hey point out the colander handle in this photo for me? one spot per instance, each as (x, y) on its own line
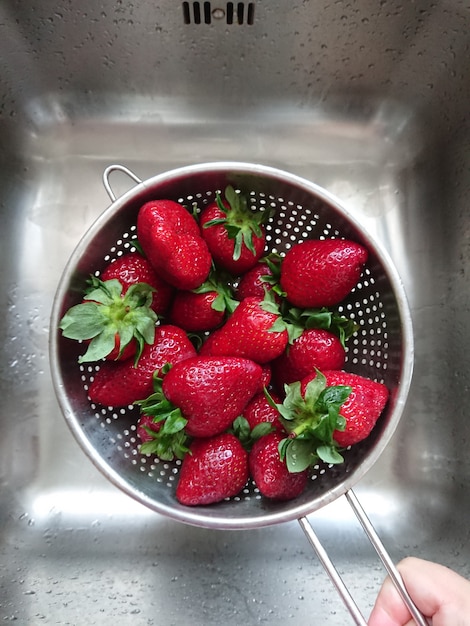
(381, 552)
(117, 168)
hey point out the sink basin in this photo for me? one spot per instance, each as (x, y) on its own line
(370, 101)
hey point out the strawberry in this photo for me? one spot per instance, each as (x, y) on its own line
(270, 473)
(211, 391)
(122, 384)
(133, 268)
(170, 238)
(324, 412)
(253, 331)
(203, 308)
(216, 468)
(113, 321)
(260, 411)
(316, 348)
(146, 428)
(321, 273)
(234, 234)
(361, 409)
(264, 275)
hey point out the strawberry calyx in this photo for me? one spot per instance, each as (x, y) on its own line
(296, 320)
(324, 318)
(246, 435)
(271, 305)
(310, 421)
(224, 302)
(273, 261)
(106, 316)
(171, 440)
(239, 221)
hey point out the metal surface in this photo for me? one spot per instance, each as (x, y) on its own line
(381, 349)
(370, 101)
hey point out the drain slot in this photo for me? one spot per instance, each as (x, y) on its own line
(229, 13)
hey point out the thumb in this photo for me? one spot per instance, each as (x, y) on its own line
(437, 591)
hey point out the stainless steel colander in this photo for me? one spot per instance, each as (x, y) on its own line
(382, 349)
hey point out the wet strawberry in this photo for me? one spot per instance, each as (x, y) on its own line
(216, 468)
(270, 473)
(264, 275)
(113, 321)
(146, 428)
(316, 348)
(234, 233)
(211, 391)
(133, 268)
(253, 331)
(170, 237)
(321, 273)
(122, 384)
(325, 412)
(361, 409)
(204, 308)
(260, 411)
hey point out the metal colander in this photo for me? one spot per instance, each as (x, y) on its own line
(381, 349)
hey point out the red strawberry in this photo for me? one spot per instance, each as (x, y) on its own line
(133, 268)
(253, 331)
(211, 391)
(326, 411)
(314, 349)
(264, 275)
(270, 473)
(234, 233)
(146, 426)
(195, 312)
(122, 384)
(170, 237)
(216, 468)
(260, 411)
(321, 273)
(113, 321)
(361, 409)
(203, 308)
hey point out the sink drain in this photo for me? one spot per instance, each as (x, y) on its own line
(228, 13)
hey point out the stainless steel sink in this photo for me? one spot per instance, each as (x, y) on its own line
(368, 99)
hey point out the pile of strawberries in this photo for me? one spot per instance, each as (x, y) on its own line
(233, 354)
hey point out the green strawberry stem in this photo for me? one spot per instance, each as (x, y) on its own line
(310, 421)
(239, 221)
(107, 314)
(171, 440)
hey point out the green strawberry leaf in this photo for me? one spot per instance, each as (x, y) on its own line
(82, 321)
(298, 454)
(330, 455)
(174, 423)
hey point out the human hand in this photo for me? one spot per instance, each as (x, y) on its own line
(442, 595)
